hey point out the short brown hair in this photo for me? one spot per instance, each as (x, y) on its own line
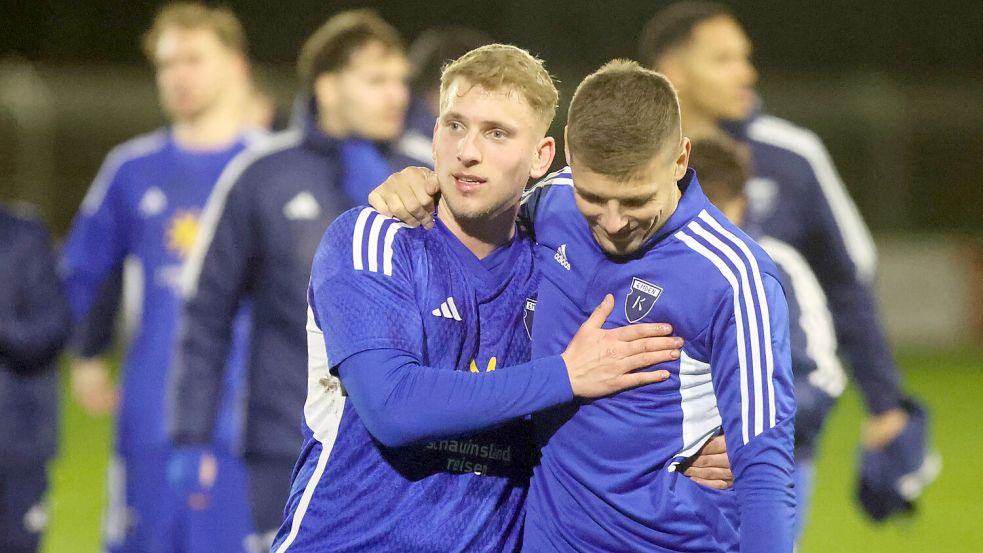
(673, 26)
(722, 165)
(330, 48)
(620, 117)
(503, 66)
(190, 15)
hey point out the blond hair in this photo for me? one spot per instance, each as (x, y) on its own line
(191, 15)
(498, 67)
(621, 117)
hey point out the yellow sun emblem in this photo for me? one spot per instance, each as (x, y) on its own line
(181, 232)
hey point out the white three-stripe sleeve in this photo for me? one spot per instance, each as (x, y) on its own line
(762, 303)
(365, 249)
(741, 345)
(751, 316)
(357, 238)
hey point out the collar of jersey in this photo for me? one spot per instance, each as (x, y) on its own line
(203, 155)
(486, 285)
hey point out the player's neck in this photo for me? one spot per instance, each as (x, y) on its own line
(697, 123)
(215, 128)
(332, 124)
(481, 236)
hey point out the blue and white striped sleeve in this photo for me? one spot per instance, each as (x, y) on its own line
(750, 365)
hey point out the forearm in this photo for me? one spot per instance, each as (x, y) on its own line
(94, 333)
(765, 491)
(402, 402)
(864, 345)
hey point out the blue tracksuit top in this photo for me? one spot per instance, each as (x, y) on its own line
(796, 196)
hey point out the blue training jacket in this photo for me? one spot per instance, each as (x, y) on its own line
(797, 196)
(34, 324)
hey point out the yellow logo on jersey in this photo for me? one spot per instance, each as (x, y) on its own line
(181, 232)
(488, 369)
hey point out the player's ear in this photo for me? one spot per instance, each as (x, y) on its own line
(326, 91)
(682, 159)
(543, 157)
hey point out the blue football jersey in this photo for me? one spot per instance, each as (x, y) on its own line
(608, 478)
(145, 204)
(376, 284)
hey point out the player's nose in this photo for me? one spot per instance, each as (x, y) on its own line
(468, 152)
(612, 220)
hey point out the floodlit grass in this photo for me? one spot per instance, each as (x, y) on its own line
(951, 384)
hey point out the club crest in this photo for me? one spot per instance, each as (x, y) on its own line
(641, 297)
(528, 312)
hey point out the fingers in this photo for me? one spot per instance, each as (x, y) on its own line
(647, 359)
(718, 460)
(715, 484)
(400, 212)
(432, 185)
(651, 344)
(634, 332)
(379, 204)
(634, 380)
(425, 200)
(600, 313)
(717, 444)
(709, 473)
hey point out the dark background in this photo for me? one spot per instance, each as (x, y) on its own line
(894, 88)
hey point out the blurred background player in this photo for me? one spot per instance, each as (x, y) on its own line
(145, 204)
(794, 195)
(429, 53)
(723, 167)
(259, 235)
(34, 323)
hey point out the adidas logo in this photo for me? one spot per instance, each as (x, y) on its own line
(561, 256)
(447, 310)
(153, 202)
(302, 206)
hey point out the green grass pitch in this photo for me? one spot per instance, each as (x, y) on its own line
(950, 383)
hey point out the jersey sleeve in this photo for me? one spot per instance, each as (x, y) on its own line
(97, 240)
(362, 287)
(94, 334)
(751, 371)
(846, 278)
(216, 280)
(363, 300)
(841, 252)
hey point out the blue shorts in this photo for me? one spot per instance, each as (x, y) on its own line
(146, 515)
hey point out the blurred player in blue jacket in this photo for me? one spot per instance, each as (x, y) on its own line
(796, 196)
(260, 232)
(724, 167)
(34, 323)
(145, 205)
